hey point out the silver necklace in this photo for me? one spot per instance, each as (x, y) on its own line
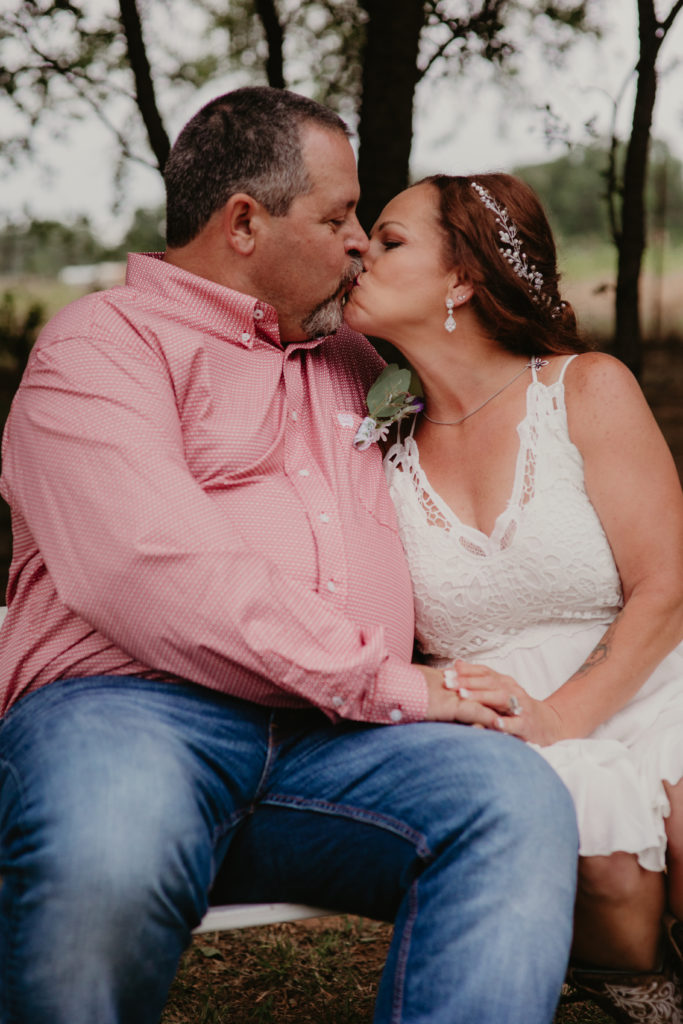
(536, 362)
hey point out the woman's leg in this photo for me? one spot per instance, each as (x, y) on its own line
(625, 968)
(619, 908)
(674, 832)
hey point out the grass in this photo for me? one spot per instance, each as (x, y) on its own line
(50, 293)
(313, 972)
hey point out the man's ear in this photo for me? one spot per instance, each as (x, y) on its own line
(241, 218)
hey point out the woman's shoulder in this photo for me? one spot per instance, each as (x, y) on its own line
(597, 369)
(600, 390)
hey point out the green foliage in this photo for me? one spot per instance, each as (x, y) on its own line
(18, 331)
(146, 233)
(45, 246)
(67, 61)
(573, 190)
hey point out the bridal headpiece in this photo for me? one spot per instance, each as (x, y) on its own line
(512, 251)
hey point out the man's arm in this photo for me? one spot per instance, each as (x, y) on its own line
(94, 459)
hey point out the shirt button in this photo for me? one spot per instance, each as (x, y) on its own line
(246, 336)
(304, 472)
(258, 314)
(396, 715)
(324, 518)
(331, 586)
(337, 701)
(294, 415)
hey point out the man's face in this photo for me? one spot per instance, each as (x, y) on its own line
(308, 259)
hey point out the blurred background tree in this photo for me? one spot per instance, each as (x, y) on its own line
(65, 60)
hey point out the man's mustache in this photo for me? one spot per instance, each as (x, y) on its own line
(355, 268)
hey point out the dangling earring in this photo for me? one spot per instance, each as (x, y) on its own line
(449, 322)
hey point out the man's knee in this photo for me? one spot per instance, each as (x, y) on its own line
(106, 829)
(507, 785)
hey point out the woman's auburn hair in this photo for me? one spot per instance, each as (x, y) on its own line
(523, 319)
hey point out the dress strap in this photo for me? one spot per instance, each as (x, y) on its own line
(399, 439)
(566, 363)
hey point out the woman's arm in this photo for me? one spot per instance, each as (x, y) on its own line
(632, 482)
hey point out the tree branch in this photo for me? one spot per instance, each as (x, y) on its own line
(144, 86)
(272, 27)
(671, 16)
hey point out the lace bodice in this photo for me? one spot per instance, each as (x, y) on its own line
(547, 563)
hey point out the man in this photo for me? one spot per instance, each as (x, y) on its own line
(206, 677)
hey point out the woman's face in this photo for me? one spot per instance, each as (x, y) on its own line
(405, 283)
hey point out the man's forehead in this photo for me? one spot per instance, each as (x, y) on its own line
(331, 166)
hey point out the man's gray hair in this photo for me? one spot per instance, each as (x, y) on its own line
(248, 141)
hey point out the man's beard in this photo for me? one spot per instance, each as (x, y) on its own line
(328, 316)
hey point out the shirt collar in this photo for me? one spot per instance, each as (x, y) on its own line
(214, 308)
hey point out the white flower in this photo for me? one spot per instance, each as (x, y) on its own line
(367, 434)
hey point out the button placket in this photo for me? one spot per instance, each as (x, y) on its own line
(314, 492)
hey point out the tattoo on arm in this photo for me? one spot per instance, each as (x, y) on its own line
(600, 653)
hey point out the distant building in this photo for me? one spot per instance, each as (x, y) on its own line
(94, 275)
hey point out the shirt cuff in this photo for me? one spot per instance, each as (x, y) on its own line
(398, 696)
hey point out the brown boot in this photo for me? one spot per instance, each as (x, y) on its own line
(632, 997)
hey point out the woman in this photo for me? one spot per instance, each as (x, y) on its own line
(542, 518)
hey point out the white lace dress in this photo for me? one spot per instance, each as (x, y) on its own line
(532, 600)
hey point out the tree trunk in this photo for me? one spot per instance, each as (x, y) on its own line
(274, 38)
(628, 341)
(144, 87)
(390, 75)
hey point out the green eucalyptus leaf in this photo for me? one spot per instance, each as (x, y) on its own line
(388, 393)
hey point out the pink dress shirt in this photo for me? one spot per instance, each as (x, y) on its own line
(187, 504)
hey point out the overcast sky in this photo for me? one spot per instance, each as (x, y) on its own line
(460, 126)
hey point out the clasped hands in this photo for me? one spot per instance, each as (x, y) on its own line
(480, 696)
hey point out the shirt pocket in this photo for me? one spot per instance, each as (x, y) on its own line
(366, 472)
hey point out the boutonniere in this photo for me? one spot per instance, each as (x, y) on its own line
(388, 401)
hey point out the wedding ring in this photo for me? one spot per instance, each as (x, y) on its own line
(514, 707)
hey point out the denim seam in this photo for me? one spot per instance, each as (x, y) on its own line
(269, 758)
(232, 822)
(394, 825)
(402, 958)
(239, 815)
(10, 964)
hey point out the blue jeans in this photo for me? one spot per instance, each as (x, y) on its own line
(124, 802)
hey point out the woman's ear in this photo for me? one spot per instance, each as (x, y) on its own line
(460, 290)
(240, 222)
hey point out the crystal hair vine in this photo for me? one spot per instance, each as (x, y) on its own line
(513, 253)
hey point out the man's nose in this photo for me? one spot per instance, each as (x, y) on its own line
(357, 241)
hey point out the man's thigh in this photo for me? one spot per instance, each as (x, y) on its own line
(349, 815)
(118, 777)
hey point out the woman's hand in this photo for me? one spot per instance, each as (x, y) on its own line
(535, 721)
(447, 705)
